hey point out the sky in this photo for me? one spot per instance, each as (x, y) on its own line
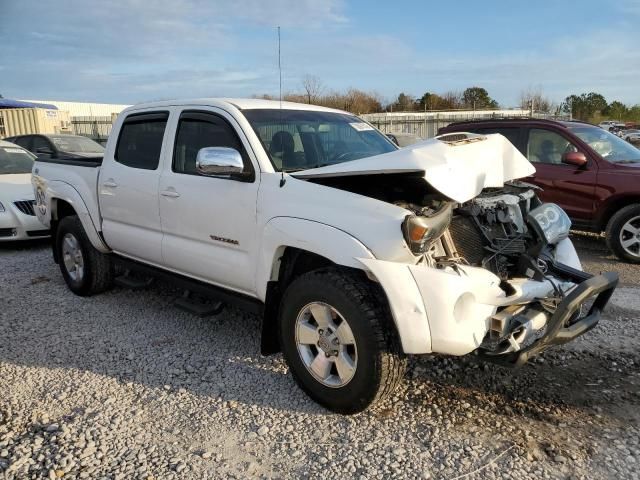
(129, 51)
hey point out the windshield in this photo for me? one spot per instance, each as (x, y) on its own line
(77, 144)
(610, 147)
(302, 139)
(15, 160)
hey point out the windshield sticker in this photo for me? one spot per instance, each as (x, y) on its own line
(13, 150)
(361, 126)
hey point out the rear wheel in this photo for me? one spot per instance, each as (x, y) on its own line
(85, 270)
(623, 234)
(339, 340)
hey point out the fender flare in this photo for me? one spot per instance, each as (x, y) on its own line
(67, 193)
(281, 232)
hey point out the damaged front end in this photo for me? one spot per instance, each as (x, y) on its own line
(493, 269)
(524, 243)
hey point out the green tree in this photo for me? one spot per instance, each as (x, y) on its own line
(477, 98)
(585, 105)
(404, 103)
(616, 110)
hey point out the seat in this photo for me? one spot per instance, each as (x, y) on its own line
(283, 147)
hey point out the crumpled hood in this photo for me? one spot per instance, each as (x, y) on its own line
(16, 187)
(458, 169)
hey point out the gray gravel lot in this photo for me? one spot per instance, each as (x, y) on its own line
(124, 385)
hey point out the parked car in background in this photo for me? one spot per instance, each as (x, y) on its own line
(18, 220)
(632, 136)
(355, 252)
(58, 146)
(404, 139)
(609, 124)
(591, 173)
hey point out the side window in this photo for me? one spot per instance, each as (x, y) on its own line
(24, 142)
(512, 134)
(140, 141)
(198, 130)
(546, 146)
(41, 143)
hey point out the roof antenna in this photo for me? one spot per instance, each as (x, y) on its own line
(282, 179)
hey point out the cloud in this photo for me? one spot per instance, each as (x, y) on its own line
(135, 50)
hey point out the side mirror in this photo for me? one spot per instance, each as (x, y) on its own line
(577, 159)
(44, 151)
(213, 161)
(393, 139)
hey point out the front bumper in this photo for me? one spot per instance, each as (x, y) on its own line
(567, 323)
(15, 225)
(449, 311)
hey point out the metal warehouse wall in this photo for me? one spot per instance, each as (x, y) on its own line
(82, 109)
(22, 121)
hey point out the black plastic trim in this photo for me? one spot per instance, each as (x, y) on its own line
(245, 302)
(91, 162)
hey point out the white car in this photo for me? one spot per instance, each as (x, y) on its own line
(632, 136)
(18, 220)
(609, 124)
(354, 252)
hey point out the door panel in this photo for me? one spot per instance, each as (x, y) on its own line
(208, 222)
(128, 188)
(573, 188)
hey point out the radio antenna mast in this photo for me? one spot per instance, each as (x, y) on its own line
(282, 179)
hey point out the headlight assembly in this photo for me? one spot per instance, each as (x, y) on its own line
(551, 222)
(421, 231)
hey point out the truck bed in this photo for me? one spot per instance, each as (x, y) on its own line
(71, 174)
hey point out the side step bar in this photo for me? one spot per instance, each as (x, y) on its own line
(218, 294)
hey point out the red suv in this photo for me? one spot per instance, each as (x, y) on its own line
(591, 173)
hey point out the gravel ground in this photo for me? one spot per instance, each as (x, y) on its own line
(124, 385)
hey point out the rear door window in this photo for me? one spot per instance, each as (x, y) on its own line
(24, 142)
(42, 144)
(140, 141)
(510, 133)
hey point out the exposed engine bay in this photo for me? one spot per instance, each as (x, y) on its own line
(492, 231)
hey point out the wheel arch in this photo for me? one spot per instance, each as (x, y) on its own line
(612, 206)
(290, 248)
(67, 201)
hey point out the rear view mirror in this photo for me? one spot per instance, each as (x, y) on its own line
(219, 161)
(577, 159)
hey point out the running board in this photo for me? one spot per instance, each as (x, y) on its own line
(198, 307)
(217, 294)
(132, 283)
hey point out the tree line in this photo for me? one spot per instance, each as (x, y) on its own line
(591, 106)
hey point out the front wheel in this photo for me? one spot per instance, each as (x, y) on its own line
(623, 234)
(339, 340)
(85, 270)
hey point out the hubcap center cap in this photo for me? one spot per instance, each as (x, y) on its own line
(328, 342)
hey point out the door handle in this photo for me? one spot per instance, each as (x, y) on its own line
(110, 183)
(170, 193)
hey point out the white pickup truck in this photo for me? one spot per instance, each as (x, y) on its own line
(355, 252)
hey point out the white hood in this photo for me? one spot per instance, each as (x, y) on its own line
(16, 187)
(460, 169)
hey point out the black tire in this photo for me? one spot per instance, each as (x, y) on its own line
(97, 275)
(614, 228)
(380, 363)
